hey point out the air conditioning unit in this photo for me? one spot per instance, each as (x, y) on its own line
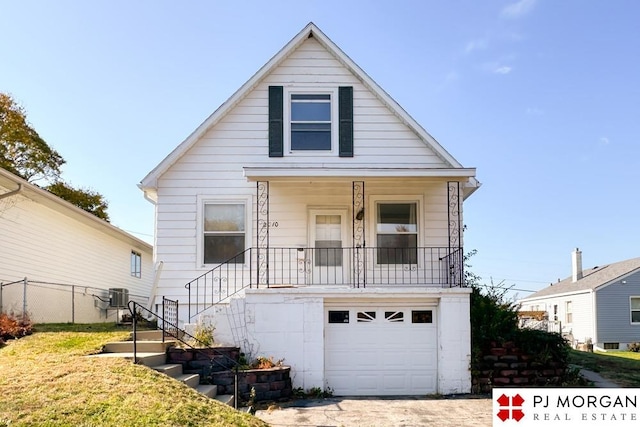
(118, 297)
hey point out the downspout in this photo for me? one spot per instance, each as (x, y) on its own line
(594, 316)
(11, 193)
(154, 286)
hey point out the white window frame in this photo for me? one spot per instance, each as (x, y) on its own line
(203, 200)
(312, 90)
(631, 310)
(373, 217)
(568, 312)
(136, 270)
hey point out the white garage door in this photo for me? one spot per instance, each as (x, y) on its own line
(380, 350)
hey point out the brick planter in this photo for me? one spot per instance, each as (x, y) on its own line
(269, 384)
(203, 360)
(505, 365)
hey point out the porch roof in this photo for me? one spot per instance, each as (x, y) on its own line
(256, 173)
(328, 173)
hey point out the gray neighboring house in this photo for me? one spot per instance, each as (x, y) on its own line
(601, 304)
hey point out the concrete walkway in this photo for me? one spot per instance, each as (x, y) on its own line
(460, 411)
(457, 411)
(597, 380)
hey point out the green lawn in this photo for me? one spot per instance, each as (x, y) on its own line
(46, 381)
(621, 367)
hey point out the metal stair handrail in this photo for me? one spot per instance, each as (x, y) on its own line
(234, 266)
(175, 332)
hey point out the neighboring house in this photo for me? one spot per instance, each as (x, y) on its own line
(601, 304)
(65, 258)
(312, 219)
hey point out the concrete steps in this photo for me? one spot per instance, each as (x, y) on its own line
(151, 351)
(141, 346)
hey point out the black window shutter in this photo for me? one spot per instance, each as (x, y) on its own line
(276, 129)
(345, 95)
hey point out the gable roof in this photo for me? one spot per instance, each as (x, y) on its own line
(18, 186)
(592, 279)
(149, 182)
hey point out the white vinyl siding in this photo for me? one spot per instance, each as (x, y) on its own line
(44, 244)
(578, 321)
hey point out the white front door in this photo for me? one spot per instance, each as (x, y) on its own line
(329, 262)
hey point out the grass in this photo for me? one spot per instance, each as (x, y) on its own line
(46, 381)
(621, 367)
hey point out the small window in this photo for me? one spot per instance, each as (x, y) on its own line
(397, 233)
(366, 316)
(224, 233)
(136, 264)
(612, 346)
(328, 244)
(635, 309)
(338, 316)
(421, 316)
(394, 316)
(310, 122)
(568, 312)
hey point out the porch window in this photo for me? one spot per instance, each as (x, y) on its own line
(397, 233)
(224, 232)
(635, 310)
(310, 121)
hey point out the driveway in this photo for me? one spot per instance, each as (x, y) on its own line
(459, 411)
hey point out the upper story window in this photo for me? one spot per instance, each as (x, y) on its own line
(304, 121)
(310, 122)
(136, 264)
(224, 232)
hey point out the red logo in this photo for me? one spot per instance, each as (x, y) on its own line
(510, 407)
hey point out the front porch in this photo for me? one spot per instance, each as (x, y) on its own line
(316, 233)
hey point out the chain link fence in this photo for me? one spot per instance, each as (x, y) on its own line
(46, 302)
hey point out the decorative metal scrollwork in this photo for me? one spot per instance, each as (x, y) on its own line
(359, 261)
(262, 232)
(454, 217)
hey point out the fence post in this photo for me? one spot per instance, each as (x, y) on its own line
(73, 303)
(24, 299)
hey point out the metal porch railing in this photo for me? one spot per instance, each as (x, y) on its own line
(355, 267)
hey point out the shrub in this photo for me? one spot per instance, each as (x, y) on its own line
(634, 346)
(203, 335)
(265, 363)
(12, 327)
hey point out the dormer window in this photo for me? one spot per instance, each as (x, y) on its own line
(310, 122)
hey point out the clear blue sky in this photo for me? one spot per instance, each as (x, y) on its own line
(541, 96)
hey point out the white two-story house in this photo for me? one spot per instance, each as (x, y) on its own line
(312, 219)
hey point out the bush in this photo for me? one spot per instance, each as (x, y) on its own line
(265, 363)
(11, 327)
(495, 322)
(203, 335)
(634, 346)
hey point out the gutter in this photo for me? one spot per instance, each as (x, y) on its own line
(11, 193)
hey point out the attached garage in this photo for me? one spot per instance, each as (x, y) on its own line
(375, 348)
